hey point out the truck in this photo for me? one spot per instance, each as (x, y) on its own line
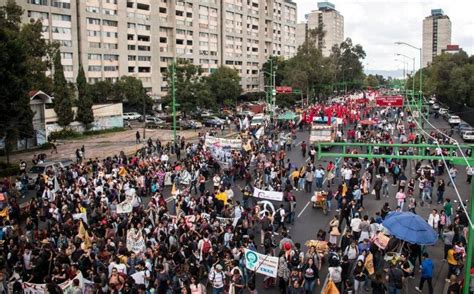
(321, 132)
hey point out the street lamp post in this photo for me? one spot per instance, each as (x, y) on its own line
(173, 95)
(421, 66)
(405, 71)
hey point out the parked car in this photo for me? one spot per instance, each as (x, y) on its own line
(132, 116)
(435, 106)
(214, 122)
(443, 112)
(468, 136)
(154, 122)
(206, 113)
(454, 120)
(462, 127)
(245, 113)
(41, 168)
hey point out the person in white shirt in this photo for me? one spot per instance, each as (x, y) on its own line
(433, 219)
(217, 278)
(355, 226)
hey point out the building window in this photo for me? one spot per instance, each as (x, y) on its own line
(109, 11)
(67, 68)
(109, 23)
(111, 57)
(110, 34)
(38, 2)
(162, 9)
(60, 30)
(110, 46)
(143, 27)
(131, 69)
(92, 9)
(92, 33)
(111, 68)
(144, 69)
(94, 45)
(94, 21)
(131, 47)
(144, 58)
(94, 56)
(132, 58)
(61, 17)
(64, 43)
(143, 48)
(95, 68)
(65, 4)
(37, 14)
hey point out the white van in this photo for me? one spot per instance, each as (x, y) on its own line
(258, 120)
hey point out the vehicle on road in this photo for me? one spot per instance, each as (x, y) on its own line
(245, 113)
(454, 120)
(436, 106)
(154, 122)
(132, 116)
(214, 122)
(258, 120)
(206, 113)
(468, 136)
(41, 168)
(443, 111)
(189, 124)
(319, 200)
(321, 132)
(462, 127)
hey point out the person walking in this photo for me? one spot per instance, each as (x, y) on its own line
(441, 188)
(394, 279)
(303, 149)
(378, 186)
(400, 196)
(433, 219)
(137, 137)
(453, 172)
(427, 268)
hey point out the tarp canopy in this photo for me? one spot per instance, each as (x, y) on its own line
(289, 115)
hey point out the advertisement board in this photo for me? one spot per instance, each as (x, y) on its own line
(389, 101)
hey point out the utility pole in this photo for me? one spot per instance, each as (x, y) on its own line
(144, 118)
(173, 92)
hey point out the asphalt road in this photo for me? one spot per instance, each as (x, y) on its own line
(309, 220)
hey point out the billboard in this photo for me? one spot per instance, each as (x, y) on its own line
(389, 101)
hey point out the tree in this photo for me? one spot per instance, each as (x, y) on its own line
(17, 116)
(131, 92)
(84, 101)
(371, 81)
(224, 84)
(278, 65)
(191, 87)
(62, 93)
(102, 92)
(346, 59)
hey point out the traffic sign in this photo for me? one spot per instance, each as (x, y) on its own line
(283, 89)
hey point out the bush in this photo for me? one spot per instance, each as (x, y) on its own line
(7, 170)
(64, 134)
(99, 132)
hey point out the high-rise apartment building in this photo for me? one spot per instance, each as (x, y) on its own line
(436, 35)
(140, 38)
(332, 23)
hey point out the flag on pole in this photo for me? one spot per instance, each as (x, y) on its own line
(84, 235)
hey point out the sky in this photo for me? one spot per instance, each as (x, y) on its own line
(378, 24)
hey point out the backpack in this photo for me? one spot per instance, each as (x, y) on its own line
(206, 246)
(396, 170)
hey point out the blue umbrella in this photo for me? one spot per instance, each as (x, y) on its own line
(411, 228)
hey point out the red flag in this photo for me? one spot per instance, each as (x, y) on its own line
(329, 118)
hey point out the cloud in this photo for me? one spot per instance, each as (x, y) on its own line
(378, 24)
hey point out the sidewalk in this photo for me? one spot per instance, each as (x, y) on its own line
(108, 144)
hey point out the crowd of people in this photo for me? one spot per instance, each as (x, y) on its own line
(187, 229)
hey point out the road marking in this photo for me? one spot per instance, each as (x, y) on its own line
(307, 159)
(299, 143)
(301, 212)
(169, 199)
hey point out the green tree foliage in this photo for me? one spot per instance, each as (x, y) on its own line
(15, 72)
(84, 101)
(191, 87)
(451, 78)
(63, 93)
(346, 60)
(371, 81)
(278, 65)
(224, 85)
(102, 92)
(130, 91)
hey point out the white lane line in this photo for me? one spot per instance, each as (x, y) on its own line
(299, 143)
(307, 159)
(301, 212)
(169, 199)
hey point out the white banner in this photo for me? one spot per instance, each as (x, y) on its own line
(269, 195)
(86, 285)
(82, 216)
(135, 241)
(260, 263)
(125, 206)
(222, 142)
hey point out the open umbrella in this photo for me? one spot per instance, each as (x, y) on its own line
(411, 228)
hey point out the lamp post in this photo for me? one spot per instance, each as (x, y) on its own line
(405, 71)
(270, 90)
(173, 94)
(413, 81)
(421, 66)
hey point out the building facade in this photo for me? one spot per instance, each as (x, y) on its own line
(436, 35)
(140, 38)
(332, 23)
